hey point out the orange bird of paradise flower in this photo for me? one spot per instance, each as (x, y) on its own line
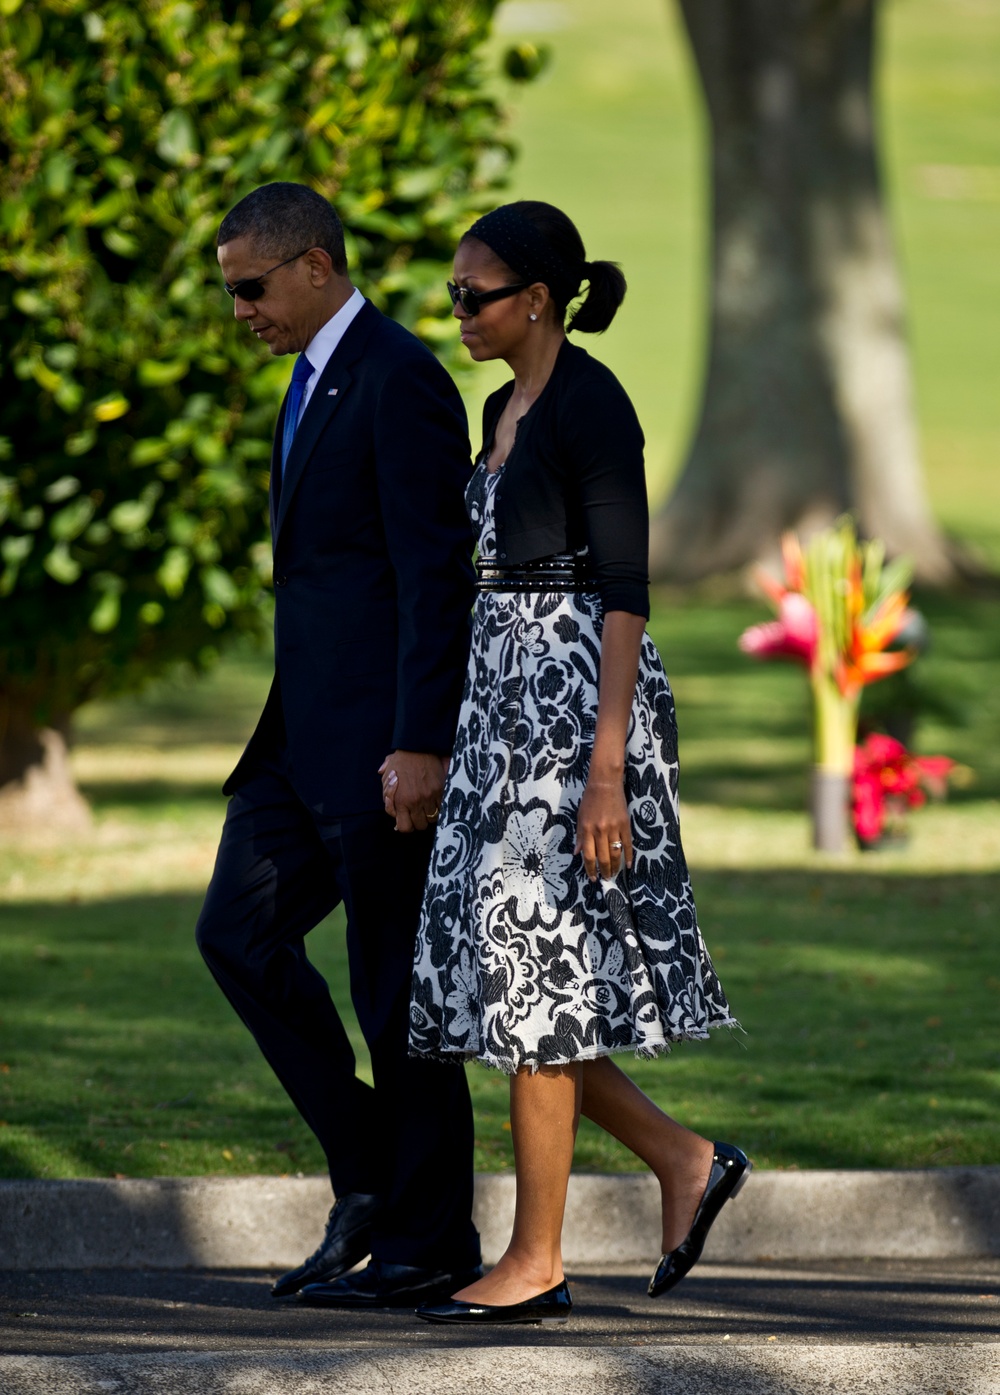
(866, 659)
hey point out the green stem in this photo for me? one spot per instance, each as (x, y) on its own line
(836, 725)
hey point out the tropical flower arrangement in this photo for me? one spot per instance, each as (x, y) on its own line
(888, 780)
(839, 608)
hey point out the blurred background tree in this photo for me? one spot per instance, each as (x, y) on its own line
(807, 404)
(135, 423)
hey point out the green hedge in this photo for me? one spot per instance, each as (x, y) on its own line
(135, 421)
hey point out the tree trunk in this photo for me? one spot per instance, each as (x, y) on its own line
(37, 792)
(807, 403)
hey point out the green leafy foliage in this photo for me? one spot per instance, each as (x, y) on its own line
(135, 422)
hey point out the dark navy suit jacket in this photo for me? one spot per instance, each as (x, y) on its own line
(373, 580)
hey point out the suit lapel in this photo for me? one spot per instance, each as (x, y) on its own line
(327, 396)
(274, 493)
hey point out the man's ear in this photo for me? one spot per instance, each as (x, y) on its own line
(320, 265)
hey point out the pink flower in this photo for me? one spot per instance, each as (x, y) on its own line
(792, 636)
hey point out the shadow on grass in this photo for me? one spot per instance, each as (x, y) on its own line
(727, 784)
(180, 710)
(120, 1054)
(864, 998)
(745, 726)
(141, 794)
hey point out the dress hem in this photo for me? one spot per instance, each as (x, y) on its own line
(644, 1051)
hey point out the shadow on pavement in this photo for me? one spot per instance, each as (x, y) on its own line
(50, 1312)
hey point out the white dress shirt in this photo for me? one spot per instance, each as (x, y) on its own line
(320, 348)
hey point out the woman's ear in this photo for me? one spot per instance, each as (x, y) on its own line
(539, 299)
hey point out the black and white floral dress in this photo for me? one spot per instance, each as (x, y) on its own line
(521, 960)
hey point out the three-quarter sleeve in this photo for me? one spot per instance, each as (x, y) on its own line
(604, 444)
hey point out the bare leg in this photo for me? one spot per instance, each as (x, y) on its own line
(544, 1112)
(680, 1159)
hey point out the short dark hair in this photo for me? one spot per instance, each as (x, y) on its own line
(281, 218)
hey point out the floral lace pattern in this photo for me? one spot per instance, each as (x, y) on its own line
(521, 961)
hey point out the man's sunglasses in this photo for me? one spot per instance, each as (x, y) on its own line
(252, 288)
(473, 301)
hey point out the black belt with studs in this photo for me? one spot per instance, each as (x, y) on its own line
(563, 572)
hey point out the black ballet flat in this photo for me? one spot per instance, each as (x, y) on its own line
(730, 1169)
(553, 1306)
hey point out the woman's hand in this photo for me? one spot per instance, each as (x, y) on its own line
(603, 822)
(389, 782)
(412, 785)
(603, 817)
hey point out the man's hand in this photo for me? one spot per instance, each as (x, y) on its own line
(412, 785)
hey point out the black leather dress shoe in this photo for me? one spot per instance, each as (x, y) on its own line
(730, 1170)
(345, 1244)
(553, 1306)
(381, 1285)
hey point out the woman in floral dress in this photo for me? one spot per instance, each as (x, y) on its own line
(558, 923)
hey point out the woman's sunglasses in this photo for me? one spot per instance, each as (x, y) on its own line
(252, 288)
(473, 301)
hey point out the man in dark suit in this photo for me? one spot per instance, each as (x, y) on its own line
(373, 589)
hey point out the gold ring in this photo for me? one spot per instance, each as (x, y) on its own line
(435, 813)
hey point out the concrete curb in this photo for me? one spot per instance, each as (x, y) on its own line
(742, 1368)
(271, 1222)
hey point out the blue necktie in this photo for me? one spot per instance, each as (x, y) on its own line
(301, 374)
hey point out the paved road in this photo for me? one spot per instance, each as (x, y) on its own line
(89, 1312)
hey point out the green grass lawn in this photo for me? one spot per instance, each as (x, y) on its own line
(868, 987)
(867, 1000)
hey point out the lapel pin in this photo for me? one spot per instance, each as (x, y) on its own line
(333, 392)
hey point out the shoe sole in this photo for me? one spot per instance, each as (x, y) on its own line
(396, 1303)
(328, 1277)
(497, 1322)
(358, 1238)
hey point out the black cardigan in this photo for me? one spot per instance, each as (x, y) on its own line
(575, 478)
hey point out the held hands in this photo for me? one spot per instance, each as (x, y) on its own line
(603, 834)
(412, 785)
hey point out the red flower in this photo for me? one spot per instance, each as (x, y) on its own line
(883, 769)
(868, 807)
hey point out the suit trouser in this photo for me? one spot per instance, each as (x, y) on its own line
(280, 870)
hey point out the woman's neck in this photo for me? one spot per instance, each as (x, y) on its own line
(533, 362)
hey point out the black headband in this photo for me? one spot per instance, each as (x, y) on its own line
(519, 244)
